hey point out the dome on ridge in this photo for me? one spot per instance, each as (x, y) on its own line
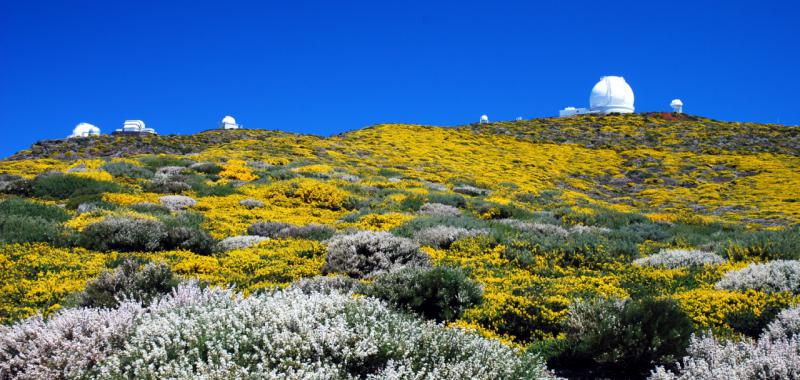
(85, 130)
(611, 94)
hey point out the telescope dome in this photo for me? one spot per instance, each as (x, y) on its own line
(611, 94)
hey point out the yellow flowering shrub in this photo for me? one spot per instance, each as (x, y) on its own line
(237, 169)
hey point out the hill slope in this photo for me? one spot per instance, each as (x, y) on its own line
(539, 212)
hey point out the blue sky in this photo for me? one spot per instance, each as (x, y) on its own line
(327, 67)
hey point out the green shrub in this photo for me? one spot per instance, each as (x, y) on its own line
(628, 337)
(166, 186)
(202, 189)
(25, 229)
(127, 170)
(22, 207)
(15, 185)
(155, 162)
(63, 186)
(128, 281)
(95, 199)
(765, 245)
(409, 228)
(150, 208)
(455, 200)
(439, 293)
(123, 234)
(749, 323)
(189, 238)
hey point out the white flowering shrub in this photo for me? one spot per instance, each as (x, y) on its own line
(368, 253)
(785, 326)
(124, 234)
(239, 242)
(218, 334)
(438, 209)
(679, 258)
(444, 236)
(774, 276)
(471, 190)
(325, 284)
(540, 228)
(68, 345)
(169, 172)
(280, 230)
(251, 203)
(582, 229)
(177, 202)
(712, 359)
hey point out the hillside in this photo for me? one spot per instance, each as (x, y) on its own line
(538, 214)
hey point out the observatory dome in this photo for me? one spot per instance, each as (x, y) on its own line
(85, 130)
(611, 94)
(228, 120)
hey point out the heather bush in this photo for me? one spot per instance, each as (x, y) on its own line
(539, 228)
(325, 285)
(217, 333)
(128, 282)
(127, 170)
(15, 185)
(149, 208)
(625, 337)
(367, 253)
(25, 229)
(679, 258)
(251, 203)
(206, 167)
(279, 230)
(785, 326)
(439, 293)
(774, 276)
(710, 359)
(124, 234)
(190, 238)
(455, 200)
(63, 186)
(439, 209)
(166, 186)
(444, 236)
(239, 242)
(177, 202)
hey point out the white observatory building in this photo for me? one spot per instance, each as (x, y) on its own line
(135, 127)
(677, 105)
(484, 119)
(610, 95)
(228, 122)
(85, 130)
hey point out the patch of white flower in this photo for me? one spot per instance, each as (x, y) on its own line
(581, 229)
(785, 326)
(239, 242)
(177, 202)
(444, 236)
(679, 258)
(219, 334)
(774, 276)
(251, 203)
(438, 209)
(711, 359)
(167, 172)
(368, 253)
(541, 228)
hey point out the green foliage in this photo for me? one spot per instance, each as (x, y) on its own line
(128, 281)
(121, 234)
(15, 185)
(127, 170)
(27, 229)
(439, 293)
(450, 199)
(155, 162)
(625, 337)
(94, 199)
(765, 245)
(63, 186)
(22, 207)
(749, 323)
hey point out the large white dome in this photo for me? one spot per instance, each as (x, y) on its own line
(228, 120)
(84, 130)
(611, 94)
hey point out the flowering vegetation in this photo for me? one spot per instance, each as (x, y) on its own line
(503, 231)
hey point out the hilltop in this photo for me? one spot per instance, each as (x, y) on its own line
(526, 233)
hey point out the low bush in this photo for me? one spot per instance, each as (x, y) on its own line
(439, 209)
(15, 185)
(166, 186)
(325, 285)
(627, 337)
(251, 203)
(177, 202)
(149, 208)
(367, 253)
(471, 190)
(155, 162)
(189, 238)
(775, 276)
(444, 236)
(128, 282)
(786, 325)
(22, 207)
(239, 242)
(749, 323)
(27, 229)
(679, 258)
(63, 186)
(454, 200)
(206, 168)
(279, 230)
(276, 335)
(127, 170)
(439, 293)
(124, 234)
(765, 245)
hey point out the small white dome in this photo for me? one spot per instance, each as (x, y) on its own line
(484, 118)
(676, 103)
(85, 130)
(228, 120)
(611, 94)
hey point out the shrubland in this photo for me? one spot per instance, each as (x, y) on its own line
(512, 243)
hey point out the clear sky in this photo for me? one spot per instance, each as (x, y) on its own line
(330, 66)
